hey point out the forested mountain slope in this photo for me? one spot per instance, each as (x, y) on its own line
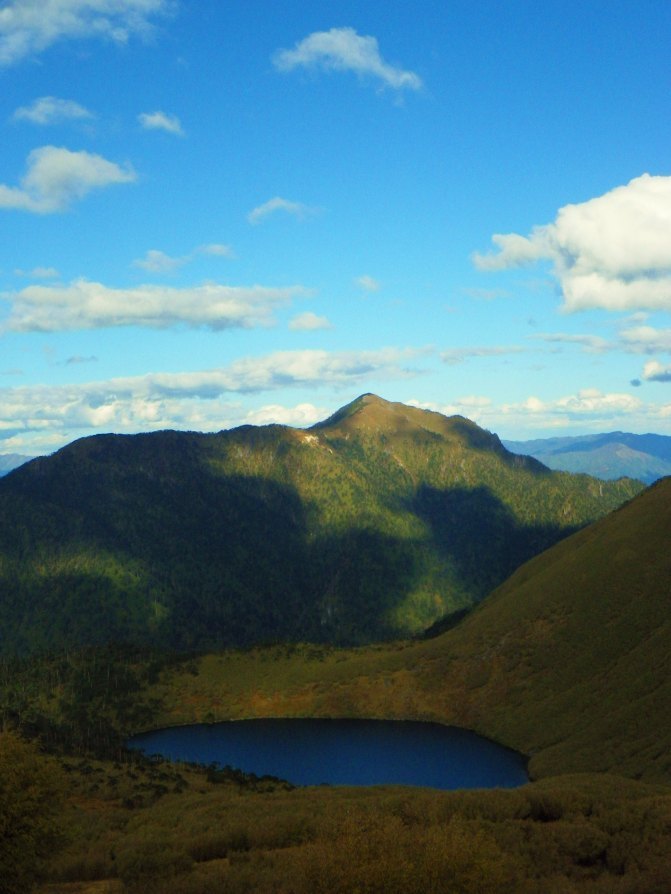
(370, 525)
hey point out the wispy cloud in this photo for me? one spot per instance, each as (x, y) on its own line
(27, 27)
(56, 177)
(342, 49)
(272, 206)
(453, 356)
(309, 322)
(91, 305)
(156, 261)
(51, 110)
(612, 252)
(161, 121)
(367, 283)
(593, 344)
(38, 273)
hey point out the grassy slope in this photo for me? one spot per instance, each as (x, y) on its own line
(569, 661)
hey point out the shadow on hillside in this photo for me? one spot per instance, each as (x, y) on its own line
(183, 557)
(479, 534)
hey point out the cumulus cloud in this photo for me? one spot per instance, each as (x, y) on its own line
(52, 110)
(91, 305)
(27, 27)
(161, 121)
(342, 49)
(367, 283)
(646, 340)
(654, 371)
(297, 209)
(199, 400)
(453, 356)
(309, 322)
(588, 403)
(56, 177)
(612, 252)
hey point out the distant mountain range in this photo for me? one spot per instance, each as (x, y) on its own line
(9, 461)
(608, 456)
(368, 526)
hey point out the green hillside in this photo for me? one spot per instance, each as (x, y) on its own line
(368, 526)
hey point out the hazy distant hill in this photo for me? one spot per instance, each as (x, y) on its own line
(370, 525)
(9, 461)
(609, 456)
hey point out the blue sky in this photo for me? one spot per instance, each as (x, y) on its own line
(218, 213)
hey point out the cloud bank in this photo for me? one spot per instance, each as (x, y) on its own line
(612, 252)
(199, 400)
(91, 305)
(342, 49)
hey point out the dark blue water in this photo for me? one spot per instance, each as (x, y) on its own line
(344, 752)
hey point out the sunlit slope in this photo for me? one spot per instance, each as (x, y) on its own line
(368, 526)
(571, 657)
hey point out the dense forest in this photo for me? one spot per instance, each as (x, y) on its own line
(372, 525)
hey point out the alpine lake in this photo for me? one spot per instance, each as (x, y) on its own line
(343, 752)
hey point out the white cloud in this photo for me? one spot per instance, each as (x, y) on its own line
(200, 400)
(156, 261)
(52, 110)
(90, 305)
(599, 408)
(300, 416)
(342, 49)
(28, 27)
(453, 356)
(309, 322)
(56, 177)
(367, 283)
(161, 121)
(612, 252)
(297, 209)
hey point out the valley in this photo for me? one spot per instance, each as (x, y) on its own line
(565, 661)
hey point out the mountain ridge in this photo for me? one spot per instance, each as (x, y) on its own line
(363, 528)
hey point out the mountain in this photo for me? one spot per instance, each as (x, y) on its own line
(370, 525)
(608, 456)
(9, 461)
